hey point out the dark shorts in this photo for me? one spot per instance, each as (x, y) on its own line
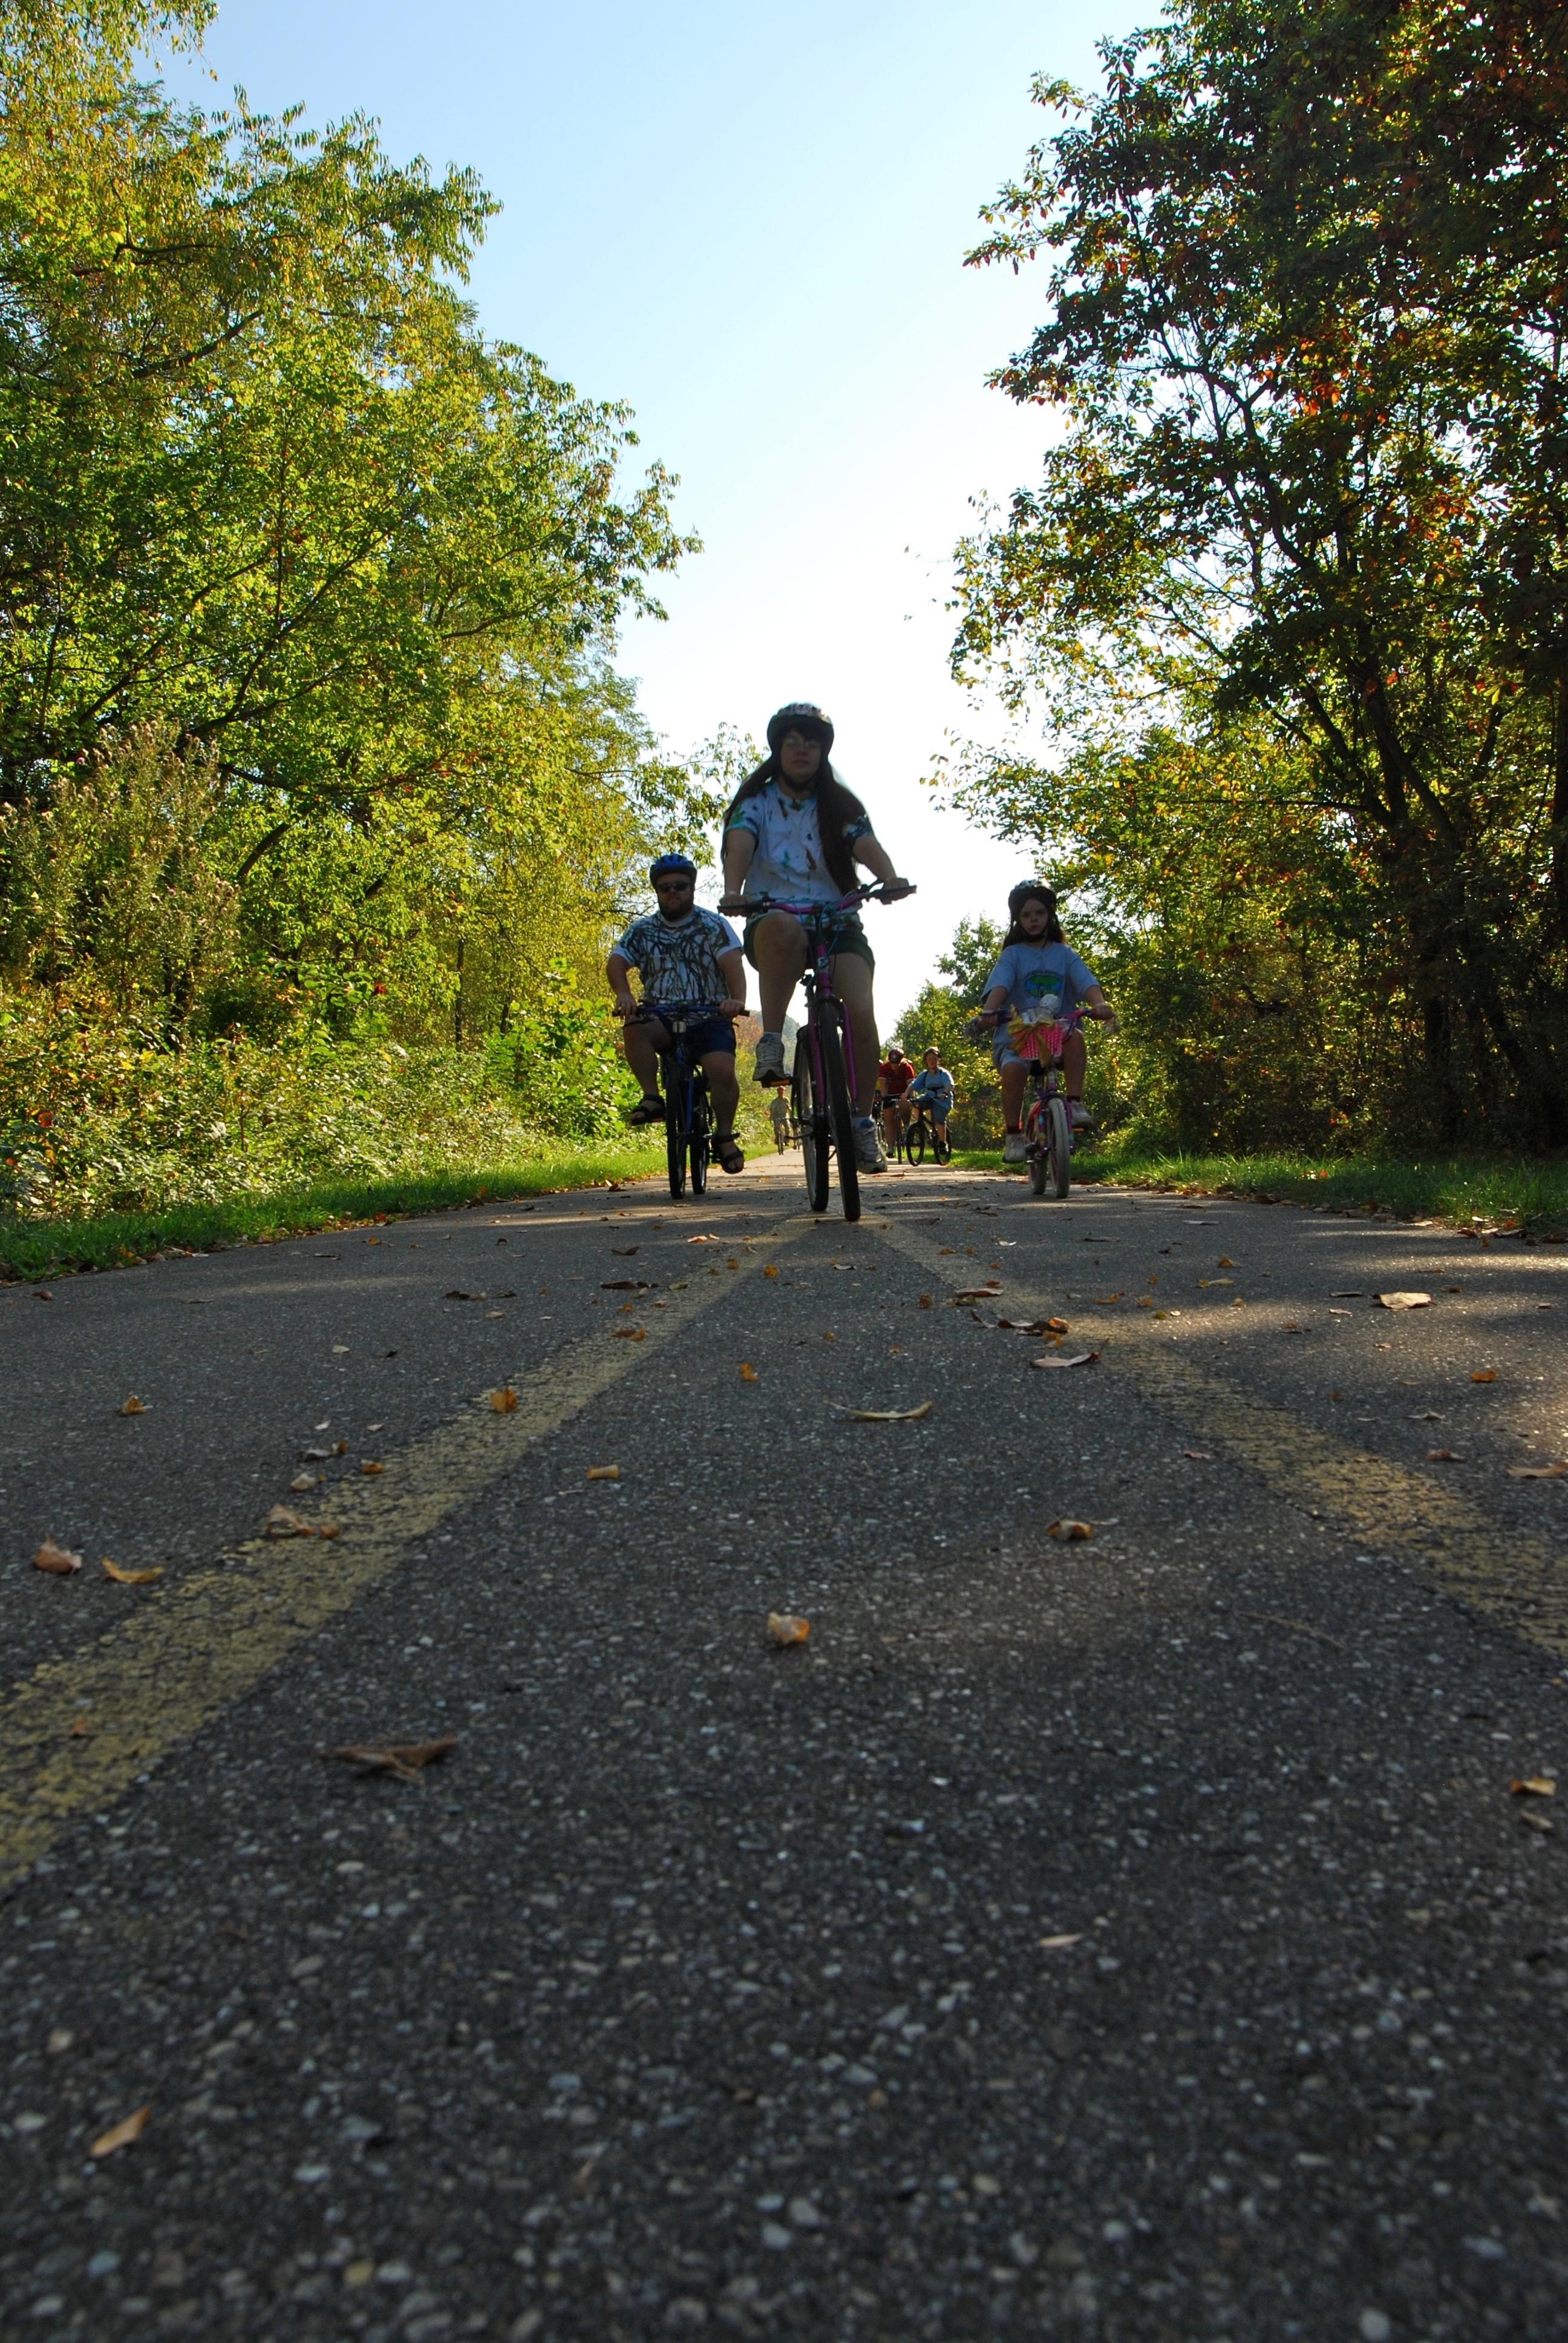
(710, 1033)
(850, 938)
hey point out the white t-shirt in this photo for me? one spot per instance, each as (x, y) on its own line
(789, 861)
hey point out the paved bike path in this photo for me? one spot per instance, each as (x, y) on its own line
(1133, 1936)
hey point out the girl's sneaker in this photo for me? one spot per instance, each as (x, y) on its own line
(868, 1155)
(1013, 1149)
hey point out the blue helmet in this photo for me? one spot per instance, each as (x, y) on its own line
(671, 866)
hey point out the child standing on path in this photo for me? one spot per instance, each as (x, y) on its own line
(1040, 975)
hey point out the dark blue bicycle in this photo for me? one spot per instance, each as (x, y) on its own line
(687, 1102)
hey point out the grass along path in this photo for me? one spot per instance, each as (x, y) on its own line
(1527, 1192)
(33, 1249)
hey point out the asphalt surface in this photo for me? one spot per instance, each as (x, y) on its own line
(1124, 1936)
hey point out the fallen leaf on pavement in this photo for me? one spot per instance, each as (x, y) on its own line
(1070, 1530)
(57, 1559)
(772, 1269)
(631, 1334)
(1078, 1359)
(1538, 1471)
(1537, 1822)
(121, 2135)
(283, 1522)
(705, 1240)
(1198, 1455)
(317, 1455)
(78, 1731)
(1105, 1300)
(1349, 1293)
(623, 1253)
(1533, 1785)
(883, 1414)
(504, 1400)
(130, 1577)
(1060, 1944)
(369, 1464)
(1405, 1301)
(1216, 1281)
(1428, 1416)
(926, 1302)
(402, 1758)
(977, 1293)
(748, 1371)
(1483, 1375)
(603, 1472)
(1443, 1456)
(787, 1627)
(132, 1406)
(623, 1285)
(302, 1481)
(41, 1293)
(1224, 1261)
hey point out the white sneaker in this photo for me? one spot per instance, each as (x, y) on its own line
(1012, 1150)
(771, 1067)
(868, 1155)
(1078, 1115)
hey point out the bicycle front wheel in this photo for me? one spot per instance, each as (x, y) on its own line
(675, 1087)
(832, 1041)
(1034, 1150)
(915, 1140)
(1059, 1147)
(811, 1122)
(941, 1147)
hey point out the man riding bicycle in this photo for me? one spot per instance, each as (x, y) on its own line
(686, 957)
(778, 1116)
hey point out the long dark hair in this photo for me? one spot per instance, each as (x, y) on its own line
(836, 807)
(1054, 935)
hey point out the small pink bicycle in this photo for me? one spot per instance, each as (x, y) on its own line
(1048, 1124)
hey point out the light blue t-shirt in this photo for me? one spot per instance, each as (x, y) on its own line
(1036, 975)
(934, 1083)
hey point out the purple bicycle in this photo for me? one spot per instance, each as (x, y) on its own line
(825, 1088)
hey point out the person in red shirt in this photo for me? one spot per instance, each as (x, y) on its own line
(894, 1076)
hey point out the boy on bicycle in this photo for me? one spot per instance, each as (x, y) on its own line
(1039, 974)
(686, 958)
(932, 1088)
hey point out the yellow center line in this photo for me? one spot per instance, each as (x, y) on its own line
(187, 1655)
(1514, 1578)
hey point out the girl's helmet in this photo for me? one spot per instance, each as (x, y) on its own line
(1029, 890)
(800, 716)
(671, 866)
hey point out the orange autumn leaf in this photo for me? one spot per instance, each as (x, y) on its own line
(788, 1627)
(122, 2134)
(504, 1401)
(130, 1577)
(58, 1560)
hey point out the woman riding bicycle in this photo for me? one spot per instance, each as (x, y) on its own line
(1039, 975)
(686, 957)
(795, 832)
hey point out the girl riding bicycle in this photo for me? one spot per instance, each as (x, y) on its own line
(793, 831)
(1040, 979)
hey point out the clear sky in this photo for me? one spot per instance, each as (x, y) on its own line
(749, 222)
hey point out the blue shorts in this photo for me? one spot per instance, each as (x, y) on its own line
(707, 1035)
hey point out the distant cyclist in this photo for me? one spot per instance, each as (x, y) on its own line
(794, 831)
(1039, 974)
(685, 956)
(778, 1116)
(894, 1076)
(932, 1088)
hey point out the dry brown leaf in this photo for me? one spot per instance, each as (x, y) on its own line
(132, 1406)
(79, 1729)
(1105, 1300)
(1224, 1261)
(1216, 1281)
(1533, 1785)
(283, 1522)
(1536, 1822)
(772, 1269)
(884, 1414)
(603, 1472)
(1405, 1301)
(623, 1284)
(130, 1577)
(504, 1400)
(369, 1464)
(1443, 1456)
(631, 1334)
(58, 1560)
(748, 1371)
(787, 1627)
(977, 1293)
(1077, 1359)
(401, 1758)
(121, 2135)
(1538, 1471)
(1198, 1455)
(1069, 1529)
(1483, 1375)
(1060, 1944)
(328, 1530)
(302, 1481)
(926, 1302)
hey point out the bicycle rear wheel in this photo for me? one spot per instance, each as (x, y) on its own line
(1059, 1147)
(675, 1094)
(701, 1145)
(843, 1116)
(811, 1122)
(915, 1140)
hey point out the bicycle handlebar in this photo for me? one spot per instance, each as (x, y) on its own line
(877, 893)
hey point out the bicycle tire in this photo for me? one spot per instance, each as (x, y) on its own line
(915, 1140)
(701, 1147)
(811, 1121)
(675, 1127)
(843, 1116)
(1034, 1143)
(1059, 1147)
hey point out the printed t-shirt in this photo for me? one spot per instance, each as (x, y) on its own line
(678, 960)
(1041, 980)
(789, 861)
(934, 1083)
